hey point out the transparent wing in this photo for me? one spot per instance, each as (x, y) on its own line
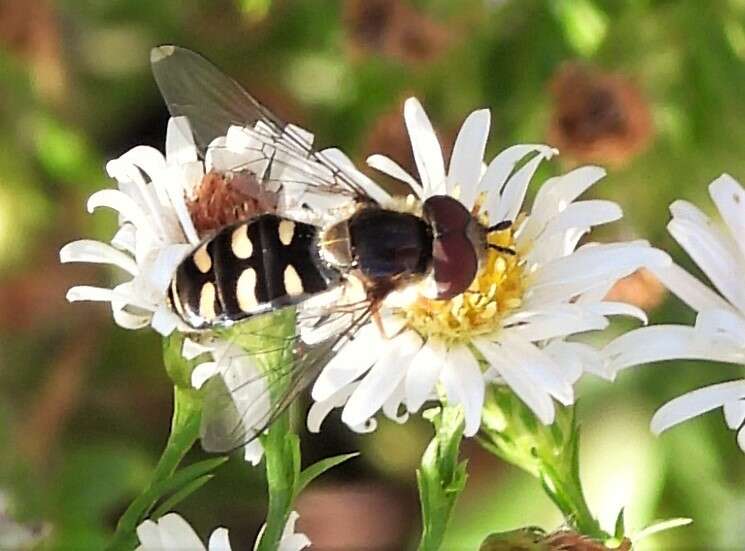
(264, 368)
(215, 104)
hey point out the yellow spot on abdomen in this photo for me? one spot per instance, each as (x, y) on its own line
(240, 243)
(245, 290)
(207, 302)
(286, 231)
(202, 259)
(293, 283)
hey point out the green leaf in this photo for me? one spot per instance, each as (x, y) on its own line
(619, 530)
(186, 476)
(170, 503)
(315, 470)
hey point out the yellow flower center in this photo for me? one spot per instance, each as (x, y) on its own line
(497, 289)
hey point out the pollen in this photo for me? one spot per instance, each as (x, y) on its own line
(496, 290)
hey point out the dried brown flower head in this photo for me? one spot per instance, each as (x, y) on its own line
(31, 30)
(225, 198)
(394, 29)
(641, 289)
(598, 117)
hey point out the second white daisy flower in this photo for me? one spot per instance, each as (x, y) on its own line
(512, 324)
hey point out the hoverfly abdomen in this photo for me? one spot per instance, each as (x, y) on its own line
(247, 269)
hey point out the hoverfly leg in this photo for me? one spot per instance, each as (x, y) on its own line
(505, 250)
(378, 321)
(500, 226)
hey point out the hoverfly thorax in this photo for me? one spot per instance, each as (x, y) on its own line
(458, 241)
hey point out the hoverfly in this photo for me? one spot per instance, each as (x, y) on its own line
(275, 260)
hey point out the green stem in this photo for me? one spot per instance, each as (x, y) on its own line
(282, 456)
(550, 453)
(441, 477)
(561, 482)
(269, 340)
(184, 432)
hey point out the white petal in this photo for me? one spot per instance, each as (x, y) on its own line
(610, 308)
(219, 540)
(695, 403)
(515, 377)
(388, 166)
(464, 382)
(290, 540)
(125, 238)
(253, 452)
(320, 409)
(87, 292)
(714, 252)
(734, 413)
(127, 320)
(741, 438)
(515, 189)
(464, 170)
(722, 324)
(191, 349)
(176, 533)
(665, 342)
(87, 250)
(370, 187)
(180, 146)
(382, 380)
(202, 373)
(554, 321)
(294, 542)
(555, 195)
(501, 167)
(120, 202)
(689, 289)
(574, 358)
(538, 365)
(729, 197)
(164, 321)
(164, 267)
(423, 373)
(584, 214)
(180, 180)
(392, 406)
(426, 148)
(146, 158)
(349, 363)
(149, 536)
(566, 277)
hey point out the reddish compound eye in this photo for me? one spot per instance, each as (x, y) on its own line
(454, 258)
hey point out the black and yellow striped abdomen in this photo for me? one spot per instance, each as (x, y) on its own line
(247, 269)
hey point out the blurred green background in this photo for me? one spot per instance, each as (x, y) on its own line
(655, 90)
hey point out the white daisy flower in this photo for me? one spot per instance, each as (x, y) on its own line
(172, 533)
(511, 326)
(156, 228)
(719, 332)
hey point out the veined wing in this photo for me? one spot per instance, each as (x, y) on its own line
(263, 369)
(212, 102)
